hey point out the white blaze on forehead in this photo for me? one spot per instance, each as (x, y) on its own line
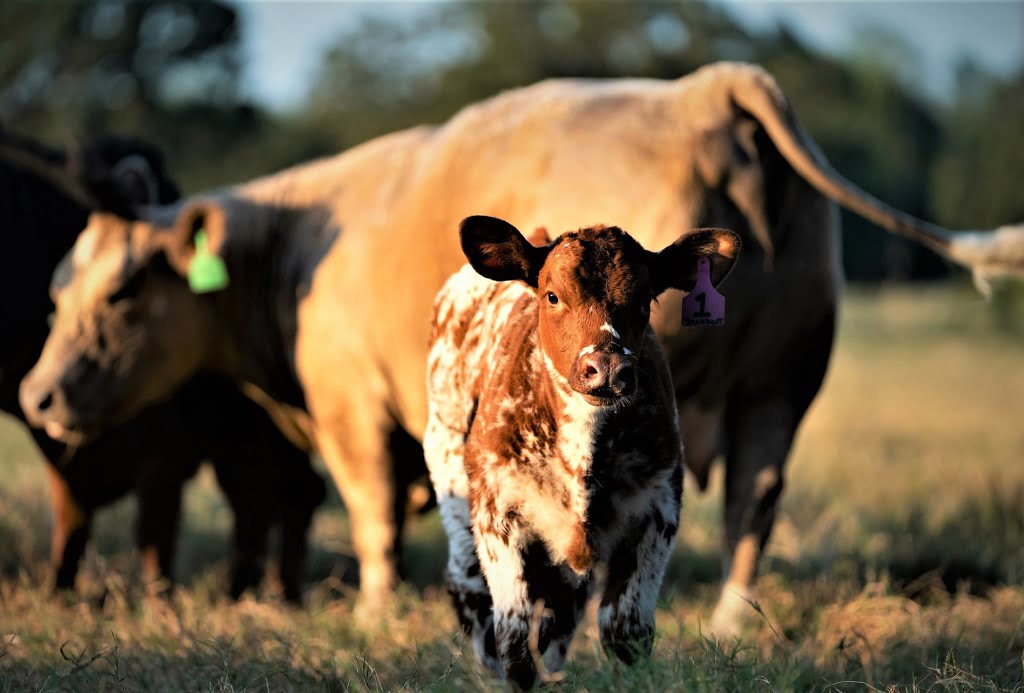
(587, 350)
(610, 330)
(85, 248)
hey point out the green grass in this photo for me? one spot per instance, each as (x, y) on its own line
(897, 561)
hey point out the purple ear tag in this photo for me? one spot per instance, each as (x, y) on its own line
(704, 306)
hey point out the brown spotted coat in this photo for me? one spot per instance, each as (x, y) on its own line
(538, 486)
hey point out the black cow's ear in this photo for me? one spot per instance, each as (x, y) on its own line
(498, 251)
(135, 180)
(675, 267)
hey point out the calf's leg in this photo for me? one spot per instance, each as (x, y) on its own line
(503, 567)
(626, 615)
(443, 448)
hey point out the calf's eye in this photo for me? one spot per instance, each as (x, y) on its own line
(552, 299)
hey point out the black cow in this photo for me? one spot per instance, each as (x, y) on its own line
(45, 199)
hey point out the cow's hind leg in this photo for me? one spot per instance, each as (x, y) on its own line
(760, 436)
(471, 598)
(354, 445)
(635, 571)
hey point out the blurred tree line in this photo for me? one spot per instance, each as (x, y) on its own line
(169, 70)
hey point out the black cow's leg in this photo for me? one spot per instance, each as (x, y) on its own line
(71, 528)
(306, 492)
(159, 517)
(252, 531)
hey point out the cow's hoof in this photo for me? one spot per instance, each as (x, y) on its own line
(734, 612)
(372, 611)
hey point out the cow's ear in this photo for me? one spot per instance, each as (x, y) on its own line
(498, 251)
(675, 267)
(203, 221)
(135, 181)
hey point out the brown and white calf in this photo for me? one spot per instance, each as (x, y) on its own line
(552, 438)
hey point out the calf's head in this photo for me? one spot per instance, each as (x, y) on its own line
(594, 287)
(127, 330)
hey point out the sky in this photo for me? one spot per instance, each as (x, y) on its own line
(284, 39)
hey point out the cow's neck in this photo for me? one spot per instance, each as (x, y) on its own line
(258, 310)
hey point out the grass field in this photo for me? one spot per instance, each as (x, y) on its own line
(897, 561)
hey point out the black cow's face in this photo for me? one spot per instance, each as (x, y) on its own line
(47, 197)
(128, 331)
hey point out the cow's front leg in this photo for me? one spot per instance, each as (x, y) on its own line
(306, 491)
(635, 571)
(443, 448)
(159, 490)
(502, 559)
(71, 528)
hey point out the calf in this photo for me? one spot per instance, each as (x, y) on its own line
(552, 437)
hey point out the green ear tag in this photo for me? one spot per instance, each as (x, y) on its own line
(206, 272)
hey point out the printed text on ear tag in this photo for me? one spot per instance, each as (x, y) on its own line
(703, 306)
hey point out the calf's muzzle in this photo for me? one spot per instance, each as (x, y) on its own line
(605, 374)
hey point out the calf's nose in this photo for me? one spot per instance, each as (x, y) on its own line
(593, 371)
(606, 373)
(623, 377)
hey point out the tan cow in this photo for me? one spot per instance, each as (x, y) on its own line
(334, 265)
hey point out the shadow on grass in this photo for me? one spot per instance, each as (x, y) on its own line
(978, 545)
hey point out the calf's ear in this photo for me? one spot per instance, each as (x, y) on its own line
(498, 251)
(675, 267)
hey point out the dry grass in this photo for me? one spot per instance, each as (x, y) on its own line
(897, 562)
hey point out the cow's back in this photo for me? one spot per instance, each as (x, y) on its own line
(655, 157)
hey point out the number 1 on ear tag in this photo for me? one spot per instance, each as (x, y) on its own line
(704, 306)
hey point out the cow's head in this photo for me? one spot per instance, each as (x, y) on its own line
(594, 288)
(127, 329)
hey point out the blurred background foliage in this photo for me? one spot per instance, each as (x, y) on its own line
(169, 70)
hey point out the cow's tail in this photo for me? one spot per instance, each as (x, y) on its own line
(994, 253)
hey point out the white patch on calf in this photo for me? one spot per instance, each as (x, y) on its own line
(610, 330)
